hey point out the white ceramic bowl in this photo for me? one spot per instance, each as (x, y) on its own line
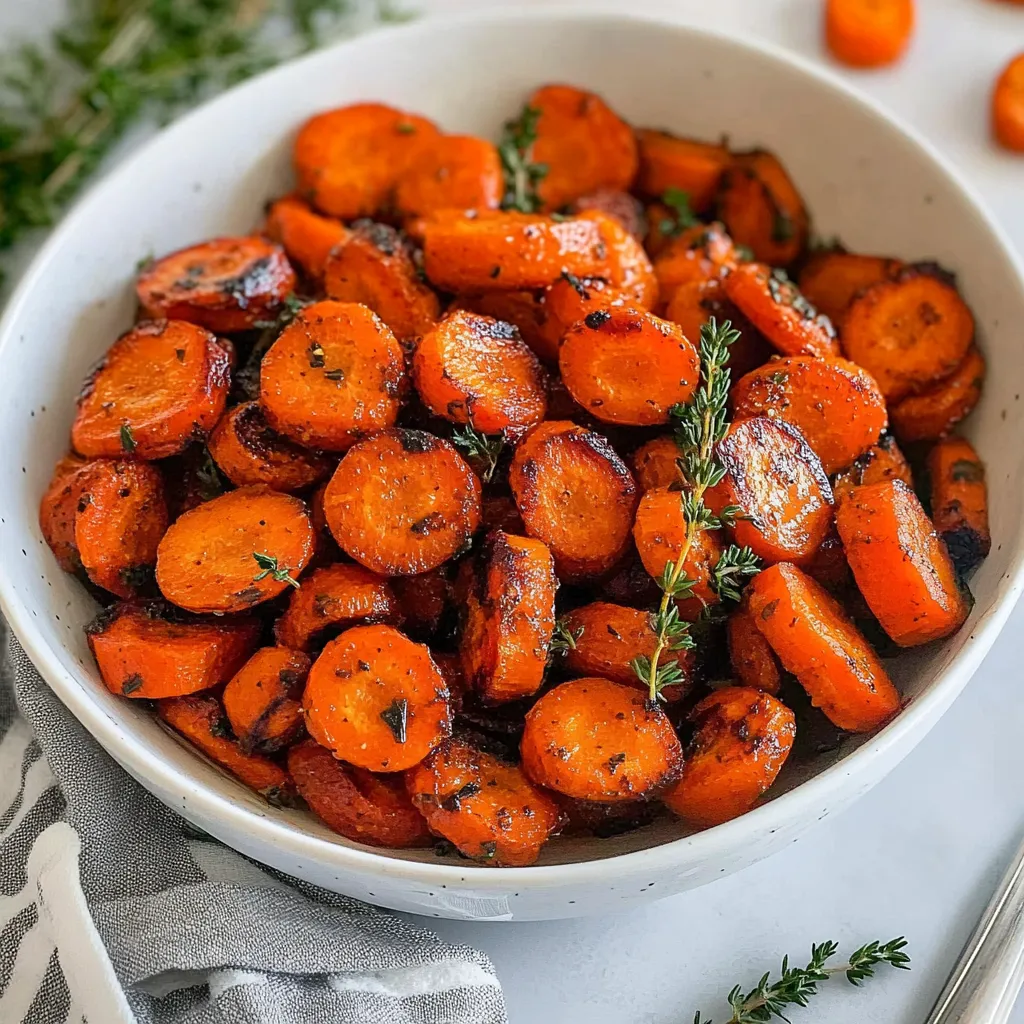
(866, 179)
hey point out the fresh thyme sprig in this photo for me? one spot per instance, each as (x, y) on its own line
(485, 448)
(522, 175)
(680, 215)
(564, 638)
(268, 565)
(796, 985)
(735, 565)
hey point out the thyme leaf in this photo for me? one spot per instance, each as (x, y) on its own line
(485, 448)
(680, 215)
(269, 567)
(522, 175)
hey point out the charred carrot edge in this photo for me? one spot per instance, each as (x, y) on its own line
(933, 413)
(882, 461)
(959, 500)
(261, 699)
(750, 654)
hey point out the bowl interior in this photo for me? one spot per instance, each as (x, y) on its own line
(864, 180)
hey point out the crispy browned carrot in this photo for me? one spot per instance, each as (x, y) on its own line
(307, 237)
(1008, 105)
(901, 566)
(670, 162)
(751, 656)
(934, 412)
(262, 699)
(654, 463)
(629, 268)
(882, 461)
(621, 206)
(235, 551)
(526, 310)
(830, 280)
(59, 507)
(453, 172)
(423, 601)
(701, 252)
(868, 33)
(959, 498)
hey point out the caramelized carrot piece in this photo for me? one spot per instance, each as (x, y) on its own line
(235, 551)
(375, 267)
(960, 502)
(701, 252)
(141, 652)
(160, 384)
(262, 699)
(453, 172)
(402, 502)
(628, 367)
(335, 372)
(59, 507)
(750, 655)
(355, 803)
(901, 566)
(348, 160)
(1008, 105)
(499, 512)
(488, 809)
(583, 144)
(571, 299)
(247, 451)
(477, 370)
(190, 479)
(593, 739)
(654, 463)
(908, 332)
(670, 162)
(868, 33)
(629, 268)
(743, 737)
(423, 601)
(307, 237)
(224, 285)
(526, 311)
(834, 403)
(934, 412)
(882, 461)
(575, 494)
(620, 206)
(830, 280)
(377, 699)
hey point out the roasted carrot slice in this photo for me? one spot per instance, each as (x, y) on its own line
(141, 652)
(235, 551)
(1008, 105)
(620, 206)
(575, 494)
(654, 463)
(774, 305)
(423, 601)
(959, 498)
(348, 160)
(701, 252)
(307, 237)
(834, 403)
(452, 172)
(752, 659)
(477, 370)
(933, 413)
(593, 739)
(335, 372)
(743, 737)
(629, 268)
(487, 808)
(402, 502)
(248, 451)
(375, 267)
(59, 507)
(670, 162)
(262, 699)
(882, 461)
(583, 144)
(527, 311)
(908, 332)
(868, 33)
(773, 475)
(355, 803)
(226, 284)
(571, 299)
(377, 700)
(160, 384)
(830, 280)
(202, 722)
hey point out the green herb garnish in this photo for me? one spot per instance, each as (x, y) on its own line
(268, 565)
(486, 448)
(680, 216)
(564, 638)
(128, 439)
(522, 175)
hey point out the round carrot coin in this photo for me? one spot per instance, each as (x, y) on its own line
(1008, 106)
(453, 172)
(654, 463)
(261, 699)
(307, 237)
(868, 33)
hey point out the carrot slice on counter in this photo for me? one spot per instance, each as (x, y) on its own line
(933, 413)
(654, 463)
(670, 162)
(453, 172)
(882, 461)
(751, 656)
(868, 33)
(307, 237)
(59, 507)
(262, 699)
(829, 281)
(959, 499)
(1008, 105)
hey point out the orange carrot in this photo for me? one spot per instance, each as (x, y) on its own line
(59, 507)
(701, 252)
(307, 237)
(882, 461)
(261, 699)
(933, 413)
(868, 33)
(752, 659)
(1008, 105)
(525, 310)
(670, 162)
(453, 172)
(654, 463)
(830, 280)
(959, 499)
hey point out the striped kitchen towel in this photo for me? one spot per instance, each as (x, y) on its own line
(114, 910)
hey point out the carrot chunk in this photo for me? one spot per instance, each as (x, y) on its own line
(335, 372)
(527, 311)
(959, 498)
(160, 384)
(654, 463)
(882, 461)
(593, 739)
(629, 268)
(235, 551)
(868, 33)
(355, 803)
(670, 162)
(59, 508)
(830, 280)
(700, 252)
(262, 699)
(307, 237)
(377, 700)
(901, 566)
(141, 652)
(933, 413)
(490, 810)
(751, 656)
(1008, 105)
(226, 284)
(453, 172)
(402, 502)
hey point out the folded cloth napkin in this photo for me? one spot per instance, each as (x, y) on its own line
(113, 909)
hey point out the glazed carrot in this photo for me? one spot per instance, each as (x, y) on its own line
(335, 372)
(828, 565)
(583, 144)
(307, 237)
(934, 412)
(402, 502)
(575, 494)
(901, 566)
(815, 640)
(331, 600)
(262, 699)
(122, 515)
(235, 551)
(355, 803)
(225, 284)
(629, 268)
(141, 652)
(201, 721)
(701, 252)
(377, 699)
(830, 280)
(526, 311)
(375, 267)
(776, 308)
(59, 507)
(1008, 105)
(908, 332)
(348, 160)
(654, 463)
(160, 384)
(509, 617)
(620, 206)
(834, 403)
(628, 367)
(593, 739)
(959, 499)
(670, 162)
(477, 370)
(247, 451)
(868, 33)
(750, 655)
(882, 461)
(488, 809)
(423, 601)
(743, 737)
(452, 172)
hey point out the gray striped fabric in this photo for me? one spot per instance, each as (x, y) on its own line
(114, 910)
